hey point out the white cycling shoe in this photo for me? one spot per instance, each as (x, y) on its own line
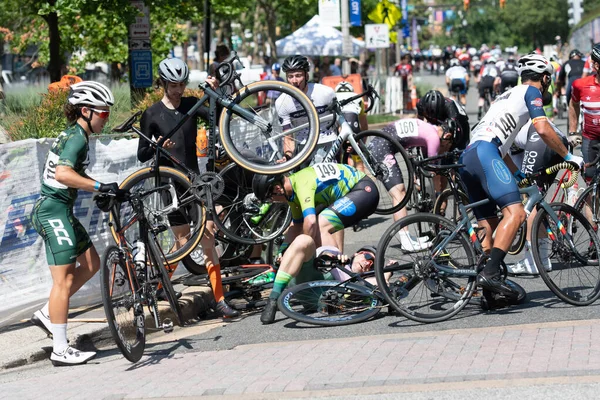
(410, 243)
(527, 265)
(71, 356)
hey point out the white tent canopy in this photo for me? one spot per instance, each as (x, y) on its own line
(316, 39)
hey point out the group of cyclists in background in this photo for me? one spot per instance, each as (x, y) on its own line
(326, 197)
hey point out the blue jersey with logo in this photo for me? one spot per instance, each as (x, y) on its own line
(508, 114)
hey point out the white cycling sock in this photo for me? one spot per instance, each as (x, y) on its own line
(59, 335)
(45, 310)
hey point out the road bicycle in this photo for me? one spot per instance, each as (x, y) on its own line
(130, 283)
(330, 302)
(434, 283)
(362, 152)
(588, 202)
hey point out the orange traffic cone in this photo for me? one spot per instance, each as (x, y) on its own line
(413, 97)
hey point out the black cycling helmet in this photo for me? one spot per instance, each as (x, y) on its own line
(295, 63)
(369, 248)
(262, 185)
(433, 104)
(575, 53)
(596, 53)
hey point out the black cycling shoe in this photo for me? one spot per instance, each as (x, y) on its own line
(225, 310)
(268, 314)
(160, 295)
(496, 284)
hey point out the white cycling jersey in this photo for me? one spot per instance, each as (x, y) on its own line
(456, 72)
(489, 70)
(528, 129)
(291, 114)
(508, 114)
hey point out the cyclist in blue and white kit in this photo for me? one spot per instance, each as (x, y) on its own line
(296, 69)
(486, 174)
(457, 80)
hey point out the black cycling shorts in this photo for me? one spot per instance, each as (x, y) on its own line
(360, 202)
(508, 82)
(383, 151)
(487, 82)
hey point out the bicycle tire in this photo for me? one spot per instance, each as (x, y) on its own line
(518, 243)
(306, 303)
(236, 223)
(165, 280)
(130, 335)
(587, 254)
(235, 130)
(385, 206)
(451, 210)
(195, 212)
(415, 289)
(587, 198)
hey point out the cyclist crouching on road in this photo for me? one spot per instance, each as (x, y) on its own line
(157, 121)
(324, 198)
(66, 240)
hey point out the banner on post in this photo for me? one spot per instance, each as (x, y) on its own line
(355, 13)
(329, 11)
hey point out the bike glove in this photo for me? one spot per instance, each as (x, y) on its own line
(574, 160)
(113, 187)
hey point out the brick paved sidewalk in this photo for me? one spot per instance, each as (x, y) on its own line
(374, 364)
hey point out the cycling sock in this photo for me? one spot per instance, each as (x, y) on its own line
(59, 337)
(45, 310)
(493, 264)
(281, 281)
(214, 274)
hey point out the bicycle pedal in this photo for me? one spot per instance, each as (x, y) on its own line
(167, 325)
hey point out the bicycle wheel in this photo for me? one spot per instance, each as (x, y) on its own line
(566, 254)
(122, 305)
(379, 167)
(447, 206)
(163, 277)
(588, 204)
(188, 219)
(329, 303)
(518, 243)
(243, 220)
(409, 279)
(258, 148)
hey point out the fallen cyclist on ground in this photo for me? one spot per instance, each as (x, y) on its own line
(298, 266)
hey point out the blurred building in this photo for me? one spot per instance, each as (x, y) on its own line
(575, 11)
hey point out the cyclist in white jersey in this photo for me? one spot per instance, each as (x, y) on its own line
(457, 80)
(487, 176)
(296, 69)
(487, 79)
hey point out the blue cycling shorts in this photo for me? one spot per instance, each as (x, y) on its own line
(486, 176)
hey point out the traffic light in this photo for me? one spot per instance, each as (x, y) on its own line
(502, 3)
(466, 4)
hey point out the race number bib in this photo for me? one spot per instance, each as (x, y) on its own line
(407, 128)
(326, 171)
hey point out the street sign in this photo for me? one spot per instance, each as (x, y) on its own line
(141, 68)
(377, 36)
(140, 29)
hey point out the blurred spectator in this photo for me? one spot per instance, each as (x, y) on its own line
(221, 53)
(336, 68)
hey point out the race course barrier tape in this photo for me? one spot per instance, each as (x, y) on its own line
(24, 274)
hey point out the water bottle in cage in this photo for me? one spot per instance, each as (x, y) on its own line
(572, 194)
(139, 255)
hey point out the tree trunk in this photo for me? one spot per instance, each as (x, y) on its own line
(257, 32)
(56, 59)
(225, 32)
(186, 42)
(200, 46)
(271, 30)
(115, 72)
(2, 96)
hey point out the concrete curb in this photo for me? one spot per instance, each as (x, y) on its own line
(24, 343)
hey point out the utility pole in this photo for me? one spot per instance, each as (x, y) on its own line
(346, 40)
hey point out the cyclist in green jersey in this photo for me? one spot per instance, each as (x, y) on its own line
(66, 240)
(324, 198)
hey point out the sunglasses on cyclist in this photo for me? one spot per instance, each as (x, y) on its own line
(102, 114)
(368, 256)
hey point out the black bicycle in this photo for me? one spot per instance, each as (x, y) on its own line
(330, 302)
(130, 283)
(434, 283)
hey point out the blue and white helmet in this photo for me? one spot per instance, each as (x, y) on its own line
(535, 63)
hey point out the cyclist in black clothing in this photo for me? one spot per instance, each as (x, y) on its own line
(509, 77)
(156, 122)
(571, 70)
(439, 110)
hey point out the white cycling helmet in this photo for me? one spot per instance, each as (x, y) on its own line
(344, 87)
(90, 93)
(454, 62)
(173, 70)
(535, 63)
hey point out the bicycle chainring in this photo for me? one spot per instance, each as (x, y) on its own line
(208, 184)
